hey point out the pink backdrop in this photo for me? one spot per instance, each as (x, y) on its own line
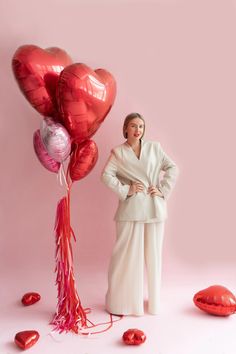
(174, 62)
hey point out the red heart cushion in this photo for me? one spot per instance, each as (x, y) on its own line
(37, 70)
(216, 300)
(84, 97)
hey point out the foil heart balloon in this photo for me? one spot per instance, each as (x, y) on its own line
(47, 161)
(55, 139)
(134, 336)
(84, 97)
(83, 159)
(37, 71)
(216, 300)
(30, 298)
(26, 339)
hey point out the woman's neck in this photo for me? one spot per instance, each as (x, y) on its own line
(134, 143)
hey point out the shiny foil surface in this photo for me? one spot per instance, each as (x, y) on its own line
(56, 139)
(134, 336)
(30, 298)
(216, 300)
(36, 71)
(26, 339)
(83, 160)
(47, 161)
(84, 98)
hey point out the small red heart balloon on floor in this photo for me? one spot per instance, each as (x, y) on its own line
(26, 339)
(85, 97)
(37, 71)
(216, 300)
(30, 298)
(134, 336)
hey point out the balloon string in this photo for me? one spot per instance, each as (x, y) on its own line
(63, 179)
(59, 176)
(64, 176)
(68, 180)
(109, 323)
(89, 333)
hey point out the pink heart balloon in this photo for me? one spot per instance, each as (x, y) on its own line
(47, 161)
(55, 139)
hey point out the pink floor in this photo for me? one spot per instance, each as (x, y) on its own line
(180, 328)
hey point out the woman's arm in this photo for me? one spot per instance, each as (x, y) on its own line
(169, 178)
(109, 178)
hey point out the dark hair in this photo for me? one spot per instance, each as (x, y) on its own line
(128, 118)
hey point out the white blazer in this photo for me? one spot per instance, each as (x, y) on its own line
(123, 167)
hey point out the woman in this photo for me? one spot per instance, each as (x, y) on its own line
(132, 172)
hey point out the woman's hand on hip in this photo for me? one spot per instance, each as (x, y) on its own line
(154, 191)
(135, 187)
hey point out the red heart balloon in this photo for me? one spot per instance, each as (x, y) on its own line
(84, 97)
(216, 300)
(37, 71)
(30, 298)
(26, 339)
(83, 159)
(134, 336)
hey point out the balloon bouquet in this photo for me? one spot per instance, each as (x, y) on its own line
(74, 100)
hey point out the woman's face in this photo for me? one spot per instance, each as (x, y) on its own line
(135, 129)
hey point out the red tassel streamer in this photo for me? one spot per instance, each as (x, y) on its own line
(70, 315)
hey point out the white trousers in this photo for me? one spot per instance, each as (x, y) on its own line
(136, 244)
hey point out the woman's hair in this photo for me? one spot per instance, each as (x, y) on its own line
(128, 118)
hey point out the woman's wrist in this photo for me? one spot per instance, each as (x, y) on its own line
(131, 191)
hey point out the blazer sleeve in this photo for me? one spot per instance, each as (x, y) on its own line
(109, 178)
(171, 173)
